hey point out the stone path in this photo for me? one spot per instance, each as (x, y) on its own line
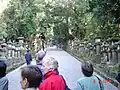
(69, 67)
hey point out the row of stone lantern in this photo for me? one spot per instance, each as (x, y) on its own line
(109, 53)
(101, 52)
(11, 50)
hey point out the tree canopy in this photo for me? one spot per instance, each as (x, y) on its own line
(61, 20)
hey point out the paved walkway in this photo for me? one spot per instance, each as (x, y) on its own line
(69, 67)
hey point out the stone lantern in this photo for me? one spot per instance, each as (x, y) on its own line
(114, 59)
(81, 47)
(118, 51)
(9, 49)
(3, 50)
(97, 45)
(21, 40)
(104, 53)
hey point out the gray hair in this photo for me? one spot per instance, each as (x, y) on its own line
(51, 62)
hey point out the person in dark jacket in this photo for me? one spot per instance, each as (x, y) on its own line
(52, 80)
(28, 57)
(118, 80)
(3, 78)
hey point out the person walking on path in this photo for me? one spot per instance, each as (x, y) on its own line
(3, 78)
(28, 57)
(89, 81)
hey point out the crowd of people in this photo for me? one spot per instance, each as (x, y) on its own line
(45, 75)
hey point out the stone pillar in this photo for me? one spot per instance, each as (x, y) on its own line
(17, 50)
(81, 49)
(3, 50)
(91, 50)
(114, 55)
(2, 56)
(118, 51)
(97, 45)
(98, 48)
(109, 54)
(13, 52)
(105, 53)
(21, 42)
(9, 51)
(97, 58)
(18, 53)
(105, 58)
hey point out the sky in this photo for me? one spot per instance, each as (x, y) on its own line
(3, 5)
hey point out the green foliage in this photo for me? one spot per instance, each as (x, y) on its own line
(61, 20)
(19, 18)
(106, 10)
(106, 13)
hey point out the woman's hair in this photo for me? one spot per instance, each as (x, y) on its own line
(87, 69)
(3, 67)
(33, 75)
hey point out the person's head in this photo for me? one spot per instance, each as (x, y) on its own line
(3, 67)
(49, 64)
(41, 55)
(28, 50)
(31, 77)
(87, 69)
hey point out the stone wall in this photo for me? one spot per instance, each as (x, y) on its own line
(103, 55)
(12, 54)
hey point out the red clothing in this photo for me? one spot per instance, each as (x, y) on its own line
(52, 82)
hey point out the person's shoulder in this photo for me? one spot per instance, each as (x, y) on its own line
(84, 79)
(26, 53)
(81, 79)
(52, 79)
(4, 79)
(31, 89)
(56, 78)
(46, 83)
